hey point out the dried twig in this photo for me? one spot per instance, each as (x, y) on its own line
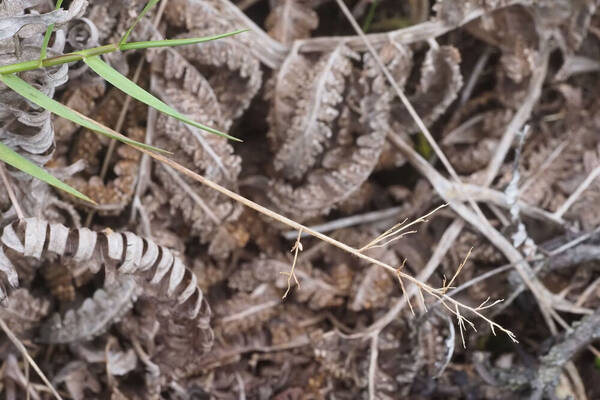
(373, 366)
(11, 192)
(292, 274)
(584, 333)
(412, 311)
(397, 231)
(445, 286)
(578, 192)
(19, 345)
(347, 222)
(293, 224)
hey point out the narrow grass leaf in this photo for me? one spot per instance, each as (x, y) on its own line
(133, 90)
(14, 159)
(176, 42)
(43, 52)
(39, 98)
(147, 8)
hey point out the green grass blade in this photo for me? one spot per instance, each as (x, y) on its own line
(149, 5)
(176, 42)
(133, 90)
(39, 98)
(14, 159)
(44, 50)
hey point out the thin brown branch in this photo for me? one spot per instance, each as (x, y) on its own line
(295, 225)
(346, 222)
(292, 274)
(442, 186)
(397, 231)
(19, 345)
(374, 353)
(412, 311)
(595, 173)
(522, 115)
(11, 192)
(412, 34)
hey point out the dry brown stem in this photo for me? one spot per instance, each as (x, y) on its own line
(437, 293)
(292, 274)
(19, 345)
(11, 192)
(397, 231)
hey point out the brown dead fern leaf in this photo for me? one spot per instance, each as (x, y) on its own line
(439, 84)
(127, 254)
(177, 81)
(290, 20)
(329, 143)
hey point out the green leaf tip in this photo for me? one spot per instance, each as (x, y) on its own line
(14, 159)
(176, 42)
(47, 35)
(35, 96)
(133, 90)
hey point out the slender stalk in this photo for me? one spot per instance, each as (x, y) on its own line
(19, 345)
(109, 48)
(437, 293)
(11, 192)
(48, 34)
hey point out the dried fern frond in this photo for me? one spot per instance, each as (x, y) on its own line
(224, 16)
(316, 108)
(231, 69)
(23, 126)
(333, 139)
(128, 253)
(244, 311)
(290, 20)
(439, 84)
(180, 84)
(23, 311)
(16, 22)
(95, 316)
(115, 194)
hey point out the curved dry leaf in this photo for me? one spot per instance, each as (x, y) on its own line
(359, 119)
(13, 20)
(179, 84)
(25, 127)
(223, 16)
(320, 91)
(78, 378)
(131, 255)
(232, 71)
(244, 311)
(440, 82)
(95, 316)
(23, 311)
(290, 20)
